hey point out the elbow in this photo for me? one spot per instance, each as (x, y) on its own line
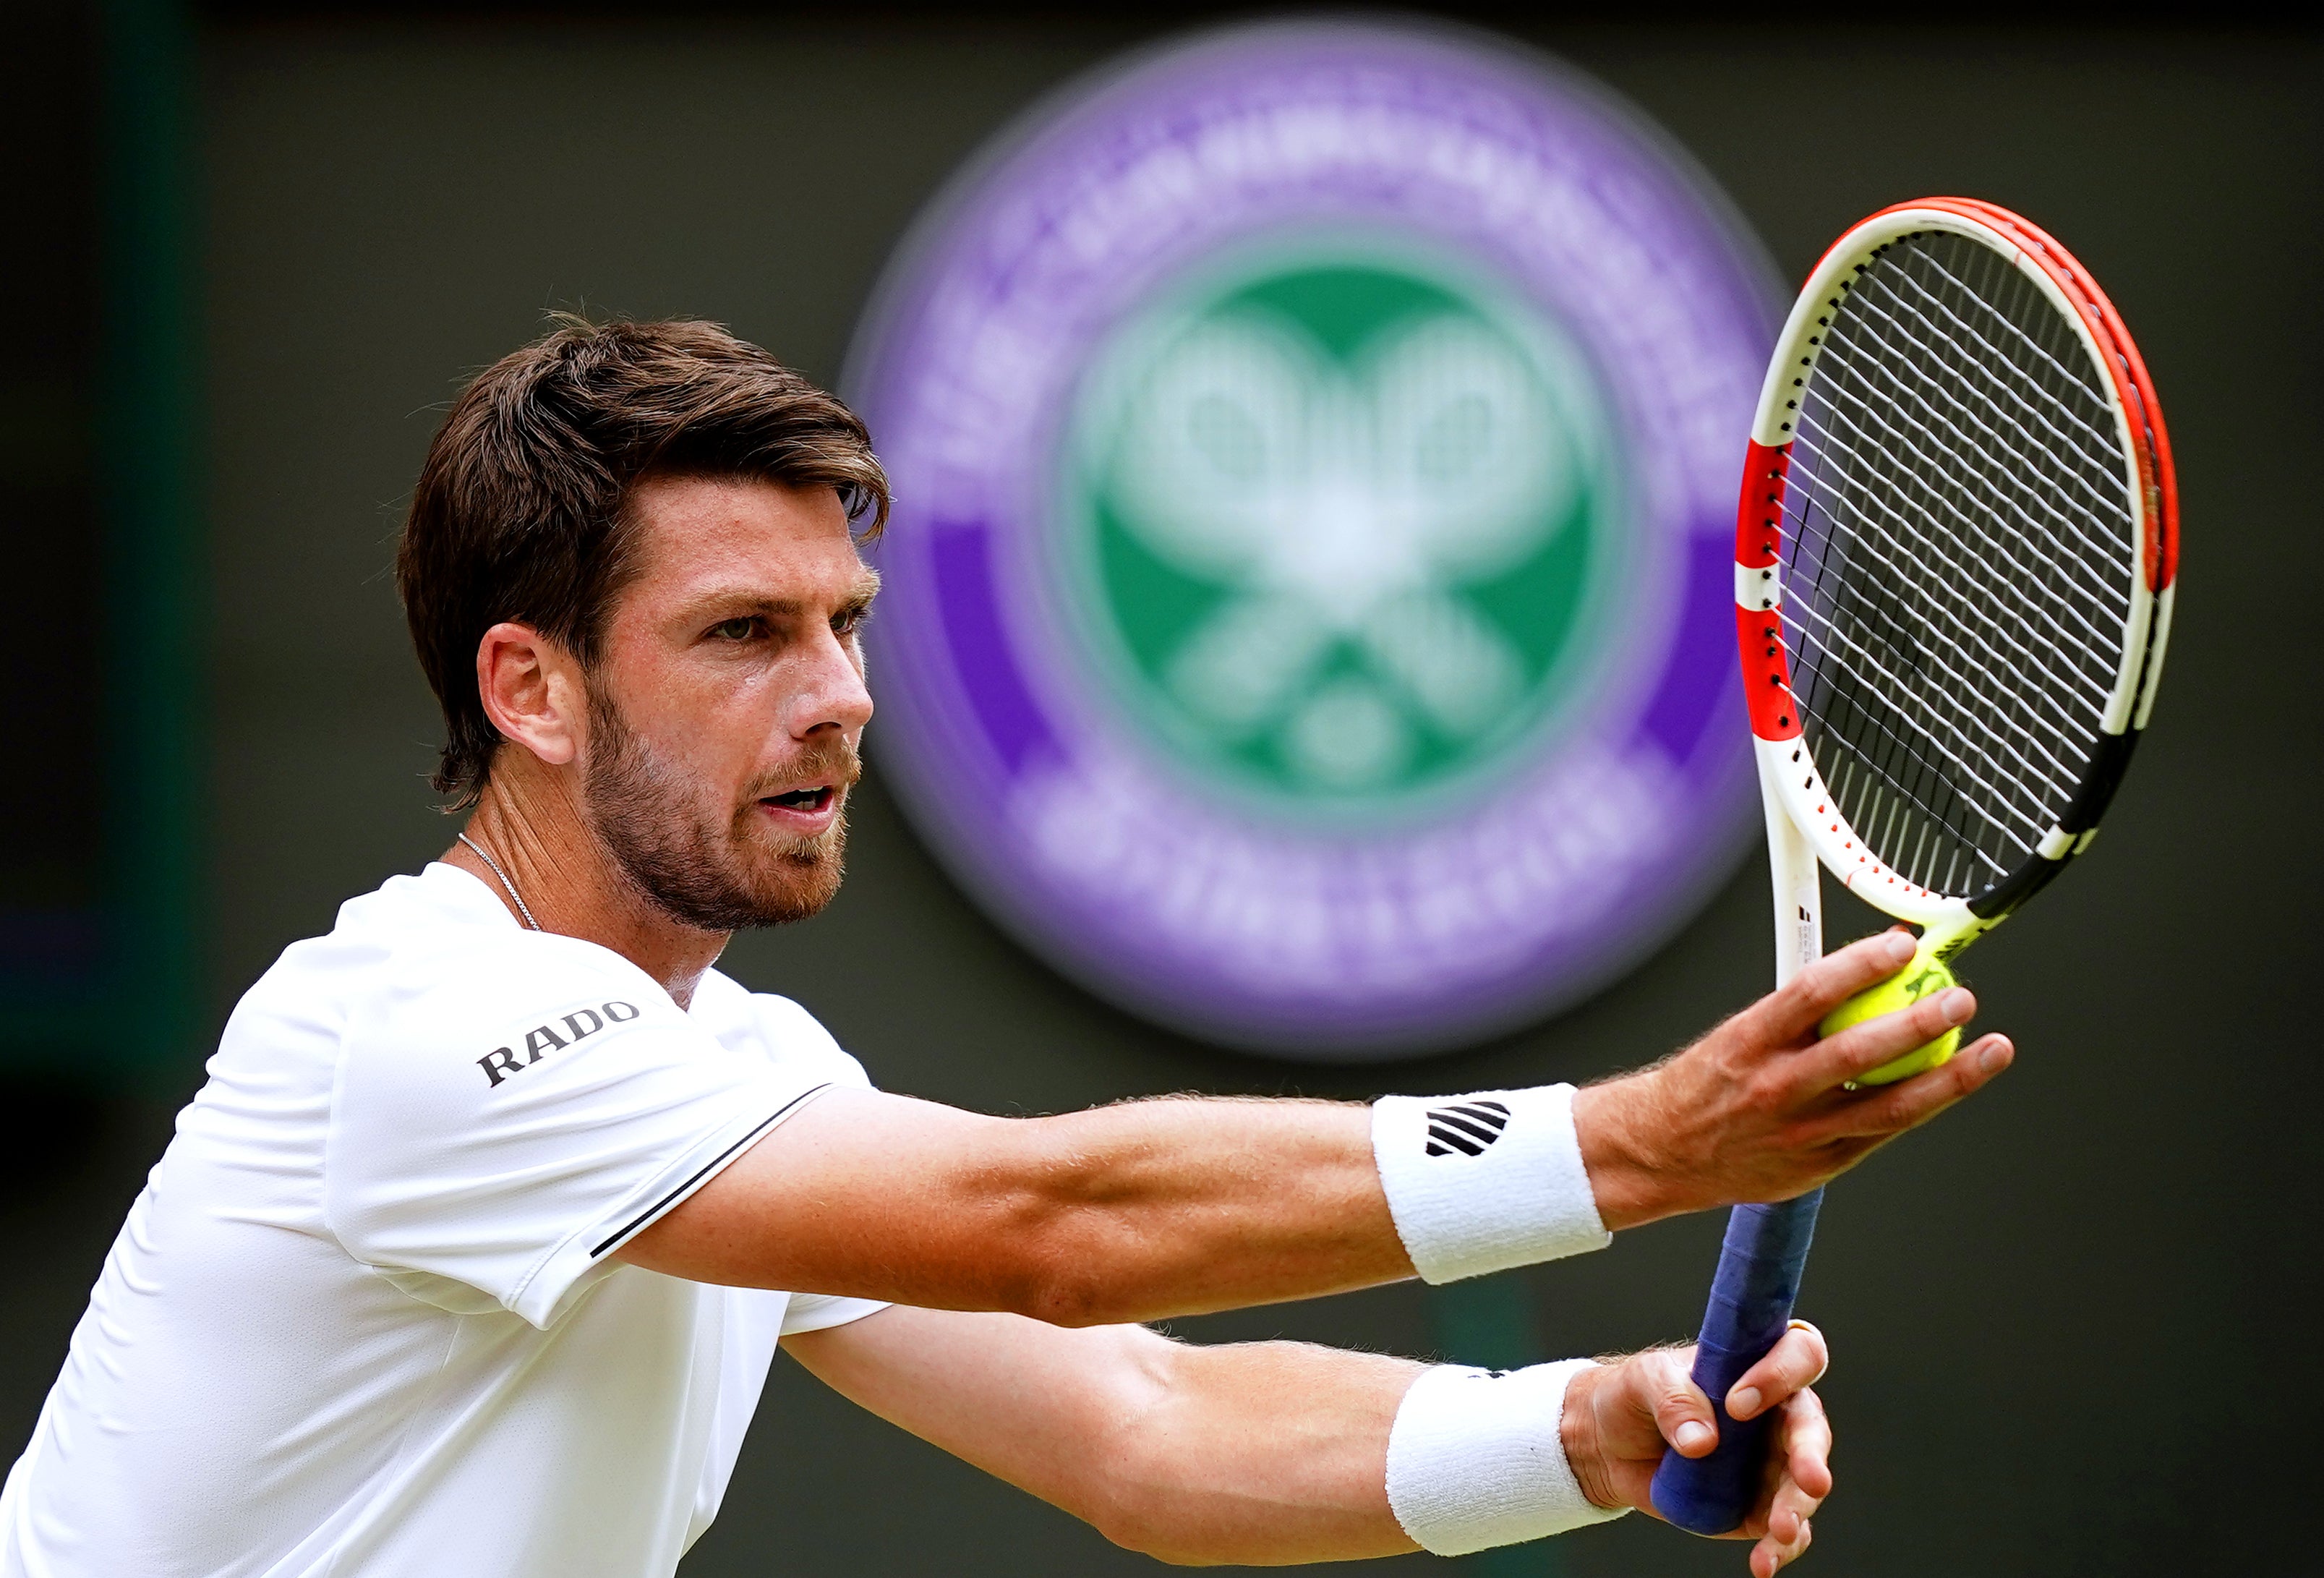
(1185, 1524)
(1062, 1284)
(1144, 1486)
(1155, 1539)
(1140, 1513)
(1085, 1231)
(1159, 1516)
(1068, 1256)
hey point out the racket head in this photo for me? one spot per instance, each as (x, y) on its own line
(1956, 558)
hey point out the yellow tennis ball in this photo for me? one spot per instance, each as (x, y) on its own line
(1923, 977)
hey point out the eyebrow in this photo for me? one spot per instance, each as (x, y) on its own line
(859, 598)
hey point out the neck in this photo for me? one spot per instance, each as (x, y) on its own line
(531, 823)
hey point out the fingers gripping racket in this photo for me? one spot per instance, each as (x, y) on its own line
(1954, 564)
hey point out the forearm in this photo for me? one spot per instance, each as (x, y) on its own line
(1256, 1454)
(1262, 1454)
(1182, 1206)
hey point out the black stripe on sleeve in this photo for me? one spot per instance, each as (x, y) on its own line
(716, 1162)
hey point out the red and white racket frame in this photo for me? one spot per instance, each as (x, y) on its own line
(1804, 822)
(1766, 1245)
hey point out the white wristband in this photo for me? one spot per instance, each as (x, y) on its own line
(1481, 1183)
(1474, 1459)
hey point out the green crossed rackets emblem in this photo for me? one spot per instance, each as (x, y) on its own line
(1340, 522)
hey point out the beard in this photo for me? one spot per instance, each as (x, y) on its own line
(712, 871)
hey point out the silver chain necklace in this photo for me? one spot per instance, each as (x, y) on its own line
(514, 897)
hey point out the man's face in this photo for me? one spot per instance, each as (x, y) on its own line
(728, 701)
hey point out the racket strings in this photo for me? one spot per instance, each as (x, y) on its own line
(1959, 539)
(2038, 466)
(2041, 668)
(1985, 644)
(1960, 787)
(1907, 772)
(1988, 471)
(2050, 628)
(2043, 382)
(2052, 462)
(1900, 748)
(1962, 662)
(1978, 650)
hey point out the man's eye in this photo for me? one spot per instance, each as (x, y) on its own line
(734, 629)
(848, 624)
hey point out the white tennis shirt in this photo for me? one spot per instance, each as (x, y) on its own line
(363, 1321)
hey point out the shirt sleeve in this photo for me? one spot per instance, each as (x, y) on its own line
(816, 1312)
(794, 1038)
(507, 1116)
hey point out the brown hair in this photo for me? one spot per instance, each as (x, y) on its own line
(518, 513)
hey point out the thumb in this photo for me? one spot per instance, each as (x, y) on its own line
(1683, 1416)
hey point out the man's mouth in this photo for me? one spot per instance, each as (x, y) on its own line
(806, 799)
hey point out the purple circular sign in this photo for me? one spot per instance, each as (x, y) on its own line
(1307, 598)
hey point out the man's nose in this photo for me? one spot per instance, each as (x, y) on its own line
(831, 692)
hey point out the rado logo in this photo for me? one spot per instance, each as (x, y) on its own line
(543, 1039)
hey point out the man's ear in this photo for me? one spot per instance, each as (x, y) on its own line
(532, 691)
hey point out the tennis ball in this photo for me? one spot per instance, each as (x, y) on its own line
(1924, 976)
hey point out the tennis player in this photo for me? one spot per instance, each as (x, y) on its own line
(470, 1258)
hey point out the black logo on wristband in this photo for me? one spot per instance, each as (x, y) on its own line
(1468, 1127)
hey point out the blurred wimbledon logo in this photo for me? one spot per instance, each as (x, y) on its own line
(1341, 522)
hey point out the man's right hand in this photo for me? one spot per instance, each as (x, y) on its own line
(1759, 1110)
(1621, 1415)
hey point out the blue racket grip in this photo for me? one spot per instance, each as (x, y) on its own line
(1751, 1298)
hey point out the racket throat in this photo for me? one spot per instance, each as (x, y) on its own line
(1942, 941)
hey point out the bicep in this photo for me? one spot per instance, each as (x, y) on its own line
(860, 1193)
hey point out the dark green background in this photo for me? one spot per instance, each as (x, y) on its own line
(2065, 1318)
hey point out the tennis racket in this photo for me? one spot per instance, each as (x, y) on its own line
(1954, 566)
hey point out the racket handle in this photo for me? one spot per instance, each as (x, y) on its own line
(1759, 1267)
